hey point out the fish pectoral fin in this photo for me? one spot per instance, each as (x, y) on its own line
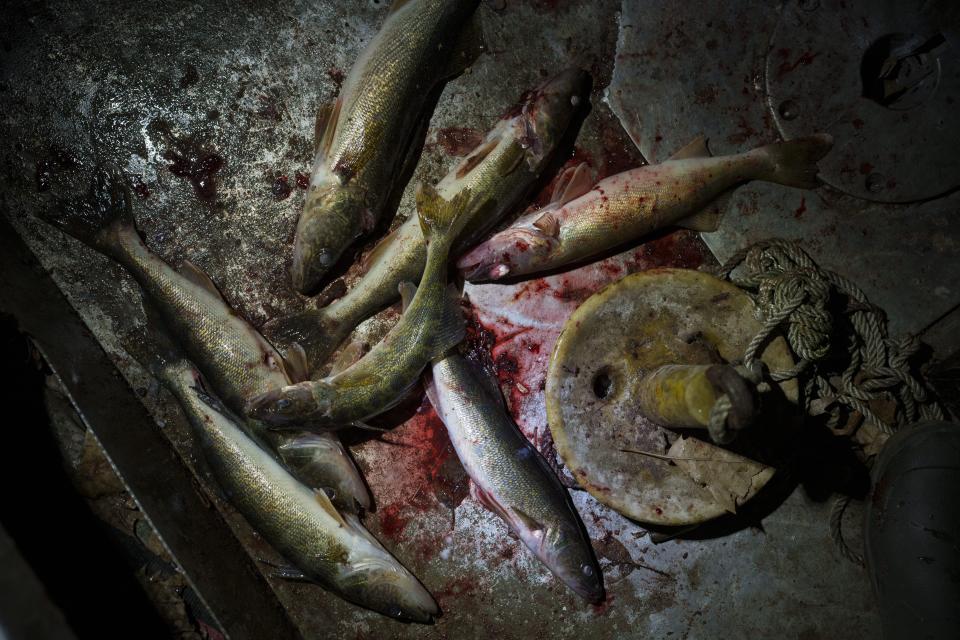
(371, 258)
(528, 522)
(407, 290)
(707, 219)
(573, 183)
(195, 274)
(548, 225)
(325, 126)
(324, 501)
(451, 326)
(696, 148)
(295, 363)
(348, 356)
(468, 47)
(285, 571)
(489, 501)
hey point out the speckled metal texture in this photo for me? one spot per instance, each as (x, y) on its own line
(689, 69)
(209, 108)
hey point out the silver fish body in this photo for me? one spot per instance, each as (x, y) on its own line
(624, 207)
(509, 475)
(330, 549)
(368, 131)
(499, 170)
(234, 358)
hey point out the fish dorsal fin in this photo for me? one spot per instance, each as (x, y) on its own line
(467, 48)
(324, 501)
(295, 363)
(407, 291)
(479, 155)
(548, 224)
(349, 355)
(573, 183)
(528, 522)
(195, 274)
(696, 148)
(326, 126)
(451, 326)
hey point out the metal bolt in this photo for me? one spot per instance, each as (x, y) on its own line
(809, 5)
(875, 183)
(789, 109)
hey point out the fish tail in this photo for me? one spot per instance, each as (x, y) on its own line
(794, 163)
(441, 218)
(99, 218)
(315, 330)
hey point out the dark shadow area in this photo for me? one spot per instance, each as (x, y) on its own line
(72, 552)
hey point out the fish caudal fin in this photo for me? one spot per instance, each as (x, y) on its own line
(440, 217)
(314, 331)
(95, 218)
(794, 163)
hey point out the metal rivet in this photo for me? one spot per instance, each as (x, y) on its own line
(875, 183)
(789, 109)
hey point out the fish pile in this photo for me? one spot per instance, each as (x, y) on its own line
(269, 430)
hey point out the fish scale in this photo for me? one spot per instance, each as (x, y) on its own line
(499, 170)
(332, 550)
(624, 207)
(368, 131)
(512, 478)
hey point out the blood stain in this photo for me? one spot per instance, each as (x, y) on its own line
(281, 188)
(457, 141)
(198, 165)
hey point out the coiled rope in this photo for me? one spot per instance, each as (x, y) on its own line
(794, 296)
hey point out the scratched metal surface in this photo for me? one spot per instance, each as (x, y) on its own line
(730, 71)
(224, 93)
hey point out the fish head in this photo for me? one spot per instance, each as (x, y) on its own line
(567, 552)
(381, 584)
(513, 251)
(546, 112)
(293, 404)
(332, 218)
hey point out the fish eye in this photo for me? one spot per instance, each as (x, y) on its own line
(587, 570)
(394, 611)
(283, 403)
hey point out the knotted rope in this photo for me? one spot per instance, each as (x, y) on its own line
(795, 296)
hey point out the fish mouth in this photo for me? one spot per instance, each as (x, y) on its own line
(483, 272)
(307, 272)
(279, 406)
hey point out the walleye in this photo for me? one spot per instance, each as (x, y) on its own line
(367, 133)
(324, 546)
(431, 323)
(509, 476)
(582, 223)
(237, 361)
(501, 169)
